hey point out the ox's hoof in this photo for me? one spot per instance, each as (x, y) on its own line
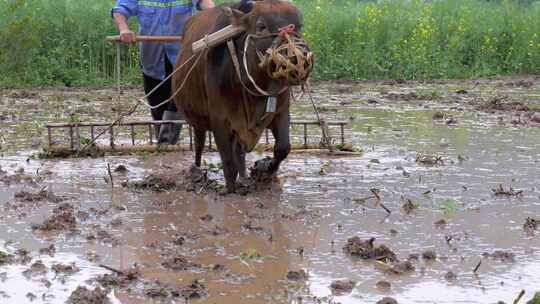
(263, 170)
(227, 190)
(243, 187)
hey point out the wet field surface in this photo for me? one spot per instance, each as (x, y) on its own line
(449, 183)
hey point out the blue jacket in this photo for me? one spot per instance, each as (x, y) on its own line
(157, 17)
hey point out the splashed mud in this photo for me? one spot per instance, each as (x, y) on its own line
(407, 221)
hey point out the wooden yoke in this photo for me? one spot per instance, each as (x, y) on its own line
(217, 38)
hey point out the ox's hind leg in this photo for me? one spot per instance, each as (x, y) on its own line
(200, 138)
(239, 156)
(224, 142)
(282, 146)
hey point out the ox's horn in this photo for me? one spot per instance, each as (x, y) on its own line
(237, 18)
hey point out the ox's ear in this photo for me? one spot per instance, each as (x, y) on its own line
(246, 6)
(237, 18)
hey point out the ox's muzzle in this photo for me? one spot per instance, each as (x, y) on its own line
(289, 59)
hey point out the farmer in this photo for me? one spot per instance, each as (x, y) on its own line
(158, 17)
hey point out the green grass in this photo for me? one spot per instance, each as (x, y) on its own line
(61, 42)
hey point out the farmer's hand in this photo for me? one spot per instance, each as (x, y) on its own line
(127, 36)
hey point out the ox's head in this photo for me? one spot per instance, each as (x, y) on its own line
(273, 29)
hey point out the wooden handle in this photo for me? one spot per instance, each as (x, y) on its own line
(147, 38)
(208, 41)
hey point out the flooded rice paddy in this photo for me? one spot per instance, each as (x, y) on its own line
(449, 181)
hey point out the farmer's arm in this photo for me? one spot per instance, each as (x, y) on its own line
(206, 4)
(120, 13)
(126, 35)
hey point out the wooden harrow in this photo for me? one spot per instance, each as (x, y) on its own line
(139, 136)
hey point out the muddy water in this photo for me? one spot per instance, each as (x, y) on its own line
(304, 220)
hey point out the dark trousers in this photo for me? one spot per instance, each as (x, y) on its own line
(161, 94)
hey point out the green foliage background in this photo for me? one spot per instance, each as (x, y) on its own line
(61, 42)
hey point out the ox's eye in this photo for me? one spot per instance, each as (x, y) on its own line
(260, 26)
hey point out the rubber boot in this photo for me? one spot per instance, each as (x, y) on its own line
(169, 133)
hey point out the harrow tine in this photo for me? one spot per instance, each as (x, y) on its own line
(151, 133)
(49, 136)
(71, 142)
(132, 134)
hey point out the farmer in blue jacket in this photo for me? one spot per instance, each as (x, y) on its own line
(158, 17)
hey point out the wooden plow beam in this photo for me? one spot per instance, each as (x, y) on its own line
(129, 143)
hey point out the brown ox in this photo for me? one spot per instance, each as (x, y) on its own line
(215, 99)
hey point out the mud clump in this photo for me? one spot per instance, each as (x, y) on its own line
(341, 287)
(402, 96)
(83, 295)
(206, 218)
(522, 83)
(429, 160)
(500, 103)
(387, 300)
(450, 276)
(440, 224)
(155, 182)
(31, 297)
(408, 207)
(25, 196)
(500, 191)
(399, 268)
(18, 177)
(117, 222)
(6, 258)
(297, 275)
(249, 226)
(367, 250)
(63, 218)
(36, 268)
(103, 236)
(118, 278)
(22, 95)
(535, 117)
(429, 255)
(438, 115)
(503, 256)
(51, 250)
(23, 256)
(196, 290)
(531, 225)
(197, 180)
(383, 286)
(65, 269)
(413, 257)
(120, 169)
(180, 263)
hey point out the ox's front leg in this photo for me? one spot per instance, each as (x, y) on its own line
(239, 156)
(224, 142)
(200, 138)
(282, 145)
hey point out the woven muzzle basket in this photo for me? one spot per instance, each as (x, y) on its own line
(289, 59)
